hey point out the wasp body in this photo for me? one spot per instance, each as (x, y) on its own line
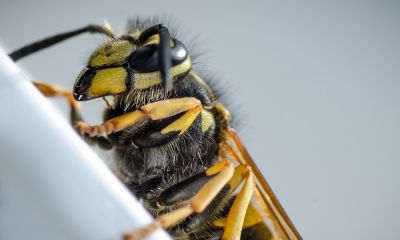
(173, 144)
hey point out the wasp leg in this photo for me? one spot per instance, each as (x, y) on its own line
(51, 90)
(232, 145)
(235, 219)
(221, 172)
(184, 190)
(170, 132)
(154, 111)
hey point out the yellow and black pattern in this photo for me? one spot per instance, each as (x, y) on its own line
(172, 137)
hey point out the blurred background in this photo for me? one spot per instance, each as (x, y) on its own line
(314, 86)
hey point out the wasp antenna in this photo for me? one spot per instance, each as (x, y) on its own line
(164, 56)
(47, 42)
(164, 50)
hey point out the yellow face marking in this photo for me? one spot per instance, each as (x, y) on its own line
(111, 53)
(155, 39)
(108, 81)
(147, 80)
(207, 120)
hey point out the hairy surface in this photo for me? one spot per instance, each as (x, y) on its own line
(149, 171)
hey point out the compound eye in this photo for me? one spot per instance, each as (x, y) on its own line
(145, 59)
(178, 53)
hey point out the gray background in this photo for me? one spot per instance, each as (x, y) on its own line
(314, 84)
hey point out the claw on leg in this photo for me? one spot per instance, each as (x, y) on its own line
(153, 111)
(96, 130)
(50, 90)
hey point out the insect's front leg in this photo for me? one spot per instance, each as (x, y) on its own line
(51, 90)
(191, 107)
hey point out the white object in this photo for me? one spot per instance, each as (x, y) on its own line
(52, 185)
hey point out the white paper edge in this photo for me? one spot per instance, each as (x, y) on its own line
(84, 197)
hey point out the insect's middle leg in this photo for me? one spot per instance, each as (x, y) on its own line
(188, 203)
(237, 213)
(213, 194)
(198, 220)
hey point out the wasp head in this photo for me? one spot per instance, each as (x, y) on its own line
(134, 61)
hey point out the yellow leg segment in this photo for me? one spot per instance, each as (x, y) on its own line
(184, 122)
(223, 172)
(170, 107)
(241, 173)
(50, 90)
(235, 219)
(154, 111)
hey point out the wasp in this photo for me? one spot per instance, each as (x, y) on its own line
(174, 147)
